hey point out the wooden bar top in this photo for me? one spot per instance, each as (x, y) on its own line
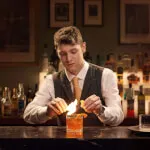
(56, 137)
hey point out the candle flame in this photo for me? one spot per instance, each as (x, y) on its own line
(72, 107)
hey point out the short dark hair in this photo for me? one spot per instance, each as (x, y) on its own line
(67, 35)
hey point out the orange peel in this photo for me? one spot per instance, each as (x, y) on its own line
(84, 115)
(82, 103)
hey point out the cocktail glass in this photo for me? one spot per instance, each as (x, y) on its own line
(74, 123)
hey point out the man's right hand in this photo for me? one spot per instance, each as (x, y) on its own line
(56, 106)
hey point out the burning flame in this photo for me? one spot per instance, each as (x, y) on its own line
(72, 107)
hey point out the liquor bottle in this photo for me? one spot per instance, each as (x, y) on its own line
(54, 59)
(146, 69)
(6, 103)
(140, 60)
(120, 85)
(126, 62)
(98, 61)
(119, 66)
(141, 101)
(1, 95)
(120, 75)
(133, 67)
(88, 57)
(21, 99)
(130, 101)
(30, 95)
(133, 76)
(110, 62)
(14, 100)
(51, 68)
(44, 63)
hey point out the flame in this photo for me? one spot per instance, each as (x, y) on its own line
(72, 107)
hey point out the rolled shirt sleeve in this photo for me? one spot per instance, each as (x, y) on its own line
(113, 114)
(35, 111)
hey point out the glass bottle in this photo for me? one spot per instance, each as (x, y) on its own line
(44, 63)
(133, 68)
(21, 99)
(54, 59)
(51, 68)
(7, 109)
(119, 66)
(1, 95)
(140, 60)
(126, 62)
(110, 62)
(146, 69)
(98, 62)
(141, 101)
(120, 85)
(119, 70)
(88, 57)
(14, 100)
(30, 95)
(130, 101)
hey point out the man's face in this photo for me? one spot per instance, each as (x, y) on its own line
(72, 56)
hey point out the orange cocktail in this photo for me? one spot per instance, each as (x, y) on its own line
(74, 123)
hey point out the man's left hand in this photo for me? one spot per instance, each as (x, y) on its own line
(92, 104)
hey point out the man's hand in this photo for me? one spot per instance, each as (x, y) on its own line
(56, 106)
(92, 104)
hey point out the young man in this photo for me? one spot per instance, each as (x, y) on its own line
(99, 89)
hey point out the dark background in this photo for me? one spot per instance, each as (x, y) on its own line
(100, 40)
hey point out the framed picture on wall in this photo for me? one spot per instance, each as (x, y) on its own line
(134, 21)
(17, 32)
(93, 13)
(61, 13)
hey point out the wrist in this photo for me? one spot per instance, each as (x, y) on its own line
(48, 113)
(101, 111)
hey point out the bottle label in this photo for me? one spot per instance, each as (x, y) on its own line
(7, 110)
(141, 106)
(130, 108)
(14, 108)
(21, 106)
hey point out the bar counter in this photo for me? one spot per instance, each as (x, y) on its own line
(46, 137)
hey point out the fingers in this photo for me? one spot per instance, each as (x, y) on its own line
(56, 107)
(92, 103)
(61, 105)
(52, 109)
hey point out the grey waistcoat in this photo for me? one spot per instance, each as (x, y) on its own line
(92, 85)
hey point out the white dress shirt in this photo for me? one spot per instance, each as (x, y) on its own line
(35, 111)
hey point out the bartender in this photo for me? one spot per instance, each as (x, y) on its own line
(96, 85)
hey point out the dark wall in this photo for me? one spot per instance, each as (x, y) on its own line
(100, 40)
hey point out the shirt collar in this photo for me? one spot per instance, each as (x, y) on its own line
(81, 75)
